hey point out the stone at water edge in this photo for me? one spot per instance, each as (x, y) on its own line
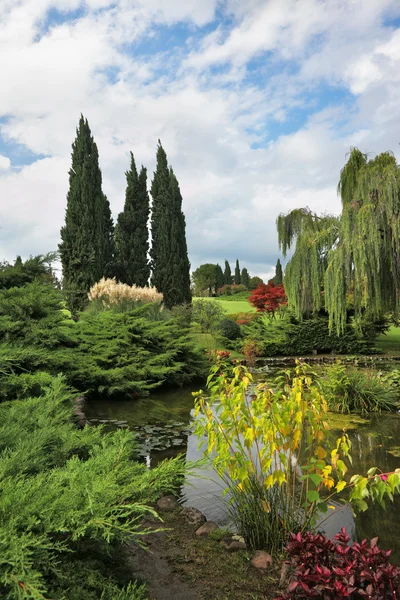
(232, 543)
(261, 560)
(167, 503)
(207, 528)
(193, 516)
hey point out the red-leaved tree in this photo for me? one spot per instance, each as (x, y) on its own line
(268, 297)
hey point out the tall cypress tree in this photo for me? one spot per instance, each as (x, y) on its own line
(278, 279)
(237, 273)
(87, 244)
(245, 278)
(227, 274)
(179, 292)
(219, 279)
(169, 257)
(131, 232)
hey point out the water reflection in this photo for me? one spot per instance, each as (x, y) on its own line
(164, 423)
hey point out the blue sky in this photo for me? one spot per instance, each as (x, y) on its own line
(257, 104)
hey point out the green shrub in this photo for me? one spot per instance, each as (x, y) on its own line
(232, 290)
(288, 337)
(107, 352)
(229, 329)
(69, 500)
(353, 390)
(208, 314)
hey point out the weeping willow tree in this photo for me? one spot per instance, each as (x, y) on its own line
(353, 259)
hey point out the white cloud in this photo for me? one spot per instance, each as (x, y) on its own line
(5, 163)
(214, 124)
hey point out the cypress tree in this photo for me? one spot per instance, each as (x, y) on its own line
(278, 279)
(87, 246)
(179, 292)
(237, 273)
(169, 257)
(219, 279)
(131, 232)
(227, 274)
(245, 278)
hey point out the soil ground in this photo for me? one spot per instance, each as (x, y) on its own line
(178, 565)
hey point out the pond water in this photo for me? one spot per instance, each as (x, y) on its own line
(163, 425)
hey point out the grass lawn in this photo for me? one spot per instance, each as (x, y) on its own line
(390, 342)
(232, 306)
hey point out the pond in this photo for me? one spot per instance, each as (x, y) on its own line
(163, 425)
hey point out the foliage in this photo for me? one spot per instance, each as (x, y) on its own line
(254, 438)
(127, 354)
(169, 256)
(255, 282)
(243, 318)
(245, 278)
(331, 569)
(87, 246)
(108, 294)
(268, 298)
(229, 329)
(251, 349)
(22, 273)
(131, 231)
(68, 498)
(352, 390)
(205, 278)
(355, 254)
(220, 280)
(289, 337)
(237, 278)
(278, 278)
(208, 314)
(227, 274)
(232, 290)
(107, 352)
(271, 448)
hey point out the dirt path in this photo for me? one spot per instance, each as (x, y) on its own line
(178, 565)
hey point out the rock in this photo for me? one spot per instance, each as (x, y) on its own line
(261, 560)
(167, 503)
(207, 528)
(232, 543)
(193, 516)
(284, 574)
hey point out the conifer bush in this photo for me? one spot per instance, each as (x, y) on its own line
(68, 497)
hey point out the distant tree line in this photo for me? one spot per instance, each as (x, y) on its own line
(92, 247)
(209, 278)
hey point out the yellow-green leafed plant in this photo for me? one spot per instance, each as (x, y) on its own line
(271, 448)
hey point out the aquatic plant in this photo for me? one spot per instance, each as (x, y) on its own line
(353, 390)
(272, 450)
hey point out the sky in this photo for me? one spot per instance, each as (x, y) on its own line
(256, 102)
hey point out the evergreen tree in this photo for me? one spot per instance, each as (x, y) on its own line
(131, 232)
(220, 280)
(278, 279)
(227, 274)
(169, 257)
(179, 291)
(245, 278)
(237, 273)
(87, 245)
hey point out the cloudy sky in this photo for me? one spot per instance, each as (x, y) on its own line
(256, 102)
